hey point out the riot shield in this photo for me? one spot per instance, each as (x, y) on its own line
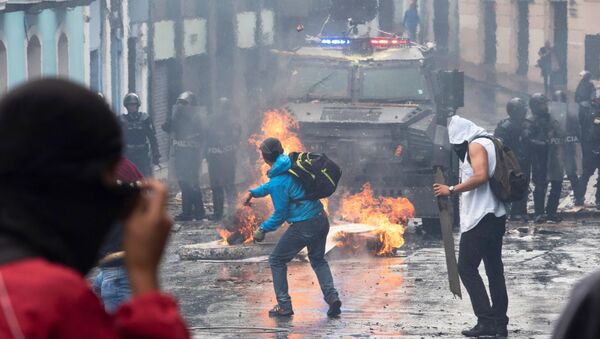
(565, 147)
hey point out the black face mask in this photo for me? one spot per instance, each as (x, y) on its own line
(65, 222)
(461, 150)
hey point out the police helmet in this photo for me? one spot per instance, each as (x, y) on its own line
(132, 99)
(516, 107)
(188, 97)
(537, 101)
(560, 96)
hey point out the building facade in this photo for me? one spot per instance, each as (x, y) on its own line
(500, 39)
(42, 38)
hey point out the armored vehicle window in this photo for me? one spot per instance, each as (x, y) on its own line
(393, 84)
(312, 81)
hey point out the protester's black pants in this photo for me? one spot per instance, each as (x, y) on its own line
(484, 242)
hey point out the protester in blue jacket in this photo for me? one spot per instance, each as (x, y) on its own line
(309, 227)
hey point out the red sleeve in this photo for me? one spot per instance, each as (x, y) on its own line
(152, 315)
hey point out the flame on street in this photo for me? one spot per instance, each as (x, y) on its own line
(277, 124)
(387, 216)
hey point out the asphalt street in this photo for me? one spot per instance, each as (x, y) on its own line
(405, 297)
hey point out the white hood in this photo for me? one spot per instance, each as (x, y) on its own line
(461, 130)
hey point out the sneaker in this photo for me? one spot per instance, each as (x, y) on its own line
(277, 311)
(335, 307)
(481, 329)
(184, 217)
(200, 217)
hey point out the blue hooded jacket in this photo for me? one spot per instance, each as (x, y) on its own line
(286, 194)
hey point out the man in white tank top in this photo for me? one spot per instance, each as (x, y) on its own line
(482, 226)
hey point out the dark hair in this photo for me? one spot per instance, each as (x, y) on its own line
(271, 148)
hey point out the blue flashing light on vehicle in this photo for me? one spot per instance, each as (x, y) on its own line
(335, 41)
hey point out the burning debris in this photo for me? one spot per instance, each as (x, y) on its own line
(387, 216)
(244, 222)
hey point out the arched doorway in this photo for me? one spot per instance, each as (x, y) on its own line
(63, 56)
(34, 58)
(3, 69)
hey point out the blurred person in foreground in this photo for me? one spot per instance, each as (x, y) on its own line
(59, 149)
(309, 227)
(112, 281)
(579, 318)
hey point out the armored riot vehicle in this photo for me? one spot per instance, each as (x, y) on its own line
(369, 104)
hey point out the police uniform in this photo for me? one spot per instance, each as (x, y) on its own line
(543, 131)
(140, 139)
(187, 133)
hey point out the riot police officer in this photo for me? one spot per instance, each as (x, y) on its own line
(223, 137)
(140, 135)
(584, 94)
(512, 131)
(185, 127)
(539, 134)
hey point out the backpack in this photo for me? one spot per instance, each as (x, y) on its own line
(509, 183)
(318, 175)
